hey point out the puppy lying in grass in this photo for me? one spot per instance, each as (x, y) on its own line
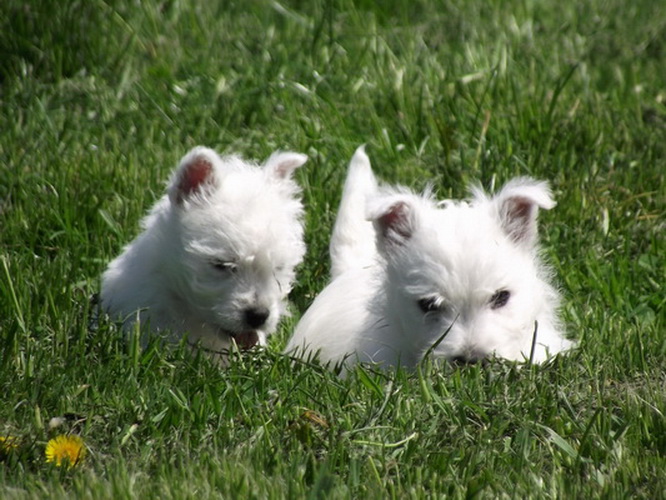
(462, 280)
(216, 257)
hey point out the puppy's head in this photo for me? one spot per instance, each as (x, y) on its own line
(464, 279)
(238, 238)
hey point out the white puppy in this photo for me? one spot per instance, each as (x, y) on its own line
(217, 253)
(460, 280)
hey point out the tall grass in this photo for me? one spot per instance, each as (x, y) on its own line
(98, 101)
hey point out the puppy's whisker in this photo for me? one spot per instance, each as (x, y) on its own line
(278, 282)
(381, 323)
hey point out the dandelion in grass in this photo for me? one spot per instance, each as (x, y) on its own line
(7, 445)
(67, 450)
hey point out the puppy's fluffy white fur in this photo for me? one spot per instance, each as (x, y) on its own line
(217, 254)
(462, 280)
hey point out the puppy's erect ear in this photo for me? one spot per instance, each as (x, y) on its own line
(282, 164)
(518, 204)
(195, 173)
(394, 221)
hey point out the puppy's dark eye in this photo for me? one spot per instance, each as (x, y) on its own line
(499, 299)
(429, 304)
(224, 266)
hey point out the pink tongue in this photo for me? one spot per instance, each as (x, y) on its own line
(246, 340)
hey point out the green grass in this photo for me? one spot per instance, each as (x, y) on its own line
(98, 101)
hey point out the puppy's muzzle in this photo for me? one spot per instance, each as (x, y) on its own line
(469, 358)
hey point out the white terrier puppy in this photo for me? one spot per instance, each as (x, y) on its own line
(217, 253)
(460, 280)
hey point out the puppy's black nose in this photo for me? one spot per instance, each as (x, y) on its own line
(469, 358)
(256, 316)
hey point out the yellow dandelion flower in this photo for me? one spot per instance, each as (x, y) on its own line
(8, 444)
(66, 450)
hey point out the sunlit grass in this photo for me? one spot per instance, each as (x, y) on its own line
(99, 100)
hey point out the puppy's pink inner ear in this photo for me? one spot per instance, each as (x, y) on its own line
(285, 168)
(394, 223)
(519, 219)
(283, 164)
(195, 174)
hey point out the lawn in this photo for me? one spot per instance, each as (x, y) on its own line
(100, 98)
